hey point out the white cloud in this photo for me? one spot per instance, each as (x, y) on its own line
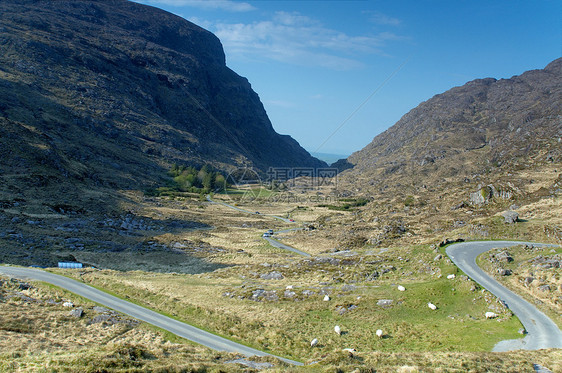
(383, 19)
(226, 5)
(297, 39)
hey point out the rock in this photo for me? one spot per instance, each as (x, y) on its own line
(522, 331)
(308, 293)
(544, 288)
(510, 217)
(437, 257)
(68, 304)
(482, 196)
(385, 302)
(251, 364)
(77, 312)
(289, 294)
(99, 309)
(24, 286)
(272, 276)
(504, 272)
(504, 256)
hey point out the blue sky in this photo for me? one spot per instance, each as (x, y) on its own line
(334, 74)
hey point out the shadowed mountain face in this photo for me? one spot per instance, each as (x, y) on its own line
(111, 93)
(483, 124)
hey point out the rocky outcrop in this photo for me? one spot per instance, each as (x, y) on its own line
(483, 124)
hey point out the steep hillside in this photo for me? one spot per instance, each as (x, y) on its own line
(492, 122)
(112, 92)
(455, 163)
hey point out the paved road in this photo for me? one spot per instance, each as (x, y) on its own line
(178, 328)
(542, 331)
(273, 242)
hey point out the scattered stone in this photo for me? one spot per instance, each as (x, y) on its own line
(272, 276)
(504, 272)
(544, 288)
(385, 302)
(510, 217)
(68, 304)
(289, 294)
(99, 309)
(528, 280)
(438, 257)
(24, 286)
(504, 256)
(251, 364)
(522, 331)
(77, 312)
(308, 293)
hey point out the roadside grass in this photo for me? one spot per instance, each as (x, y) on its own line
(286, 327)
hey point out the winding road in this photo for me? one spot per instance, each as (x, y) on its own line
(542, 331)
(273, 242)
(174, 326)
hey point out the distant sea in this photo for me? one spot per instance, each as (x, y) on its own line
(329, 158)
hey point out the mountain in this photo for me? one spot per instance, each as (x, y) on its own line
(485, 124)
(454, 164)
(111, 93)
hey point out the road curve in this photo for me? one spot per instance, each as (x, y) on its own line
(273, 242)
(177, 327)
(542, 331)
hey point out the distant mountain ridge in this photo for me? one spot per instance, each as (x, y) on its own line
(113, 92)
(483, 124)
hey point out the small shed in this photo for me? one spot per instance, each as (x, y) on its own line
(70, 265)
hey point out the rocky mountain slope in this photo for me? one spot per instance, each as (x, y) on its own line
(113, 92)
(455, 163)
(492, 122)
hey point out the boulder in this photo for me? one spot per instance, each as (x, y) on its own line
(504, 272)
(385, 302)
(437, 257)
(77, 312)
(272, 276)
(504, 256)
(510, 217)
(544, 288)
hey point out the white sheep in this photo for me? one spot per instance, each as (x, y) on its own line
(379, 333)
(326, 298)
(314, 342)
(432, 306)
(491, 315)
(401, 288)
(337, 329)
(289, 287)
(68, 304)
(451, 276)
(350, 351)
